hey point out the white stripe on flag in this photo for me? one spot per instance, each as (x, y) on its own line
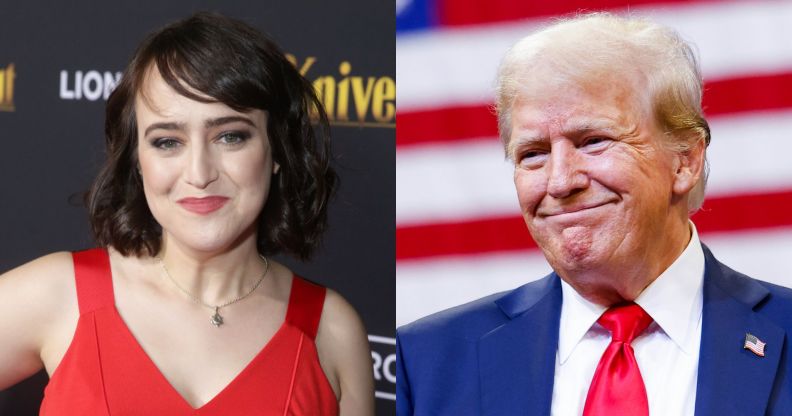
(427, 286)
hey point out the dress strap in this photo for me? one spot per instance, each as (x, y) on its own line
(93, 279)
(305, 305)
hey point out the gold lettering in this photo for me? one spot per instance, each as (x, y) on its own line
(342, 113)
(7, 88)
(10, 74)
(383, 104)
(362, 96)
(372, 97)
(305, 67)
(326, 92)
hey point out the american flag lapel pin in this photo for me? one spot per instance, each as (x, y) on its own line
(754, 344)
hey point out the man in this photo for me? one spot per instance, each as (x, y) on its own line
(601, 116)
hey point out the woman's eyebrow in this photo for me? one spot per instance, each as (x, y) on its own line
(225, 120)
(164, 126)
(208, 123)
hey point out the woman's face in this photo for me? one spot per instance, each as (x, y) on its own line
(206, 168)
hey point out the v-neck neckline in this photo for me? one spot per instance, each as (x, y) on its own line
(161, 376)
(164, 380)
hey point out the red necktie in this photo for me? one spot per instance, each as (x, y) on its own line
(617, 388)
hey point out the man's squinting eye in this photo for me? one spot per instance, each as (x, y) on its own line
(596, 142)
(530, 159)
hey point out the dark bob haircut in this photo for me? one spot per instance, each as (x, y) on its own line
(234, 64)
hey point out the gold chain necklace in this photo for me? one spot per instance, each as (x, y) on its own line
(217, 319)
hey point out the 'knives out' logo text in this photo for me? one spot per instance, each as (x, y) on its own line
(7, 76)
(350, 99)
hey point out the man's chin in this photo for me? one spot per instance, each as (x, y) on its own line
(577, 241)
(575, 249)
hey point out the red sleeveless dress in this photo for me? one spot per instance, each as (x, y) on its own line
(106, 372)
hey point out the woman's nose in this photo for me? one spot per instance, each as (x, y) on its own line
(201, 168)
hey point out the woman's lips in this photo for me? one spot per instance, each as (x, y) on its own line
(203, 205)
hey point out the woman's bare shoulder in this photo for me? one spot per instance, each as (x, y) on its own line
(344, 349)
(48, 276)
(43, 287)
(41, 297)
(339, 317)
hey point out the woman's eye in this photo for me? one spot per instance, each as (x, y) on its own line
(165, 143)
(233, 137)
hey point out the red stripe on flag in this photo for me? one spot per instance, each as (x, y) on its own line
(736, 95)
(730, 213)
(470, 12)
(727, 96)
(445, 125)
(744, 212)
(477, 236)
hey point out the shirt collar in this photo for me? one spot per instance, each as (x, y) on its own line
(577, 317)
(673, 300)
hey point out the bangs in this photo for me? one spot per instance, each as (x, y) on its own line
(201, 63)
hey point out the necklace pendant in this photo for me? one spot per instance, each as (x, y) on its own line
(216, 320)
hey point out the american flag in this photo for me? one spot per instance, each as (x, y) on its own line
(754, 344)
(459, 232)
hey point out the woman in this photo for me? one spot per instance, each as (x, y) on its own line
(213, 165)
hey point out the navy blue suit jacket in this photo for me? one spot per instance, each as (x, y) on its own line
(496, 355)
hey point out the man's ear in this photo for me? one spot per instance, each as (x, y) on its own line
(689, 167)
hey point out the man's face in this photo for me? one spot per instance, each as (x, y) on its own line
(594, 182)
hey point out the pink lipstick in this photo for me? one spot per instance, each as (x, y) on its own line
(203, 205)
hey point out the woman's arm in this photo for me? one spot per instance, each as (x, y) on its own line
(38, 302)
(343, 346)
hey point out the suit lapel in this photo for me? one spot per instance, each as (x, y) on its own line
(733, 380)
(517, 359)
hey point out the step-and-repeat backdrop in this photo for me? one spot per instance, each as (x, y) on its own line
(60, 60)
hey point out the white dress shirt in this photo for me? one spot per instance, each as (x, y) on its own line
(667, 352)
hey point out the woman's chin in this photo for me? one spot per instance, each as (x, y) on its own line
(205, 243)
